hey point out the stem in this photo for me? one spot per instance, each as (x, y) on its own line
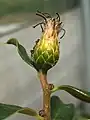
(46, 95)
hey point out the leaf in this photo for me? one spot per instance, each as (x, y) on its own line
(8, 110)
(77, 93)
(22, 51)
(61, 111)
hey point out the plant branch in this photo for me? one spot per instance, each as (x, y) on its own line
(46, 95)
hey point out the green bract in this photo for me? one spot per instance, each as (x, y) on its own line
(45, 54)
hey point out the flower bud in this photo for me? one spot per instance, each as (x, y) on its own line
(45, 53)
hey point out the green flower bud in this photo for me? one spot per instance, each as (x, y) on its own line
(45, 53)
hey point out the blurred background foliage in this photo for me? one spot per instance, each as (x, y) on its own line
(23, 6)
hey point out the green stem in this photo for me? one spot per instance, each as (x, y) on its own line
(46, 95)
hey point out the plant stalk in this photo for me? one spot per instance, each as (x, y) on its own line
(46, 95)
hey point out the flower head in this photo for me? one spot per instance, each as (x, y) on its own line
(45, 53)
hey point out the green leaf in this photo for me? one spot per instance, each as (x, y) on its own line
(22, 51)
(8, 110)
(77, 93)
(61, 111)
